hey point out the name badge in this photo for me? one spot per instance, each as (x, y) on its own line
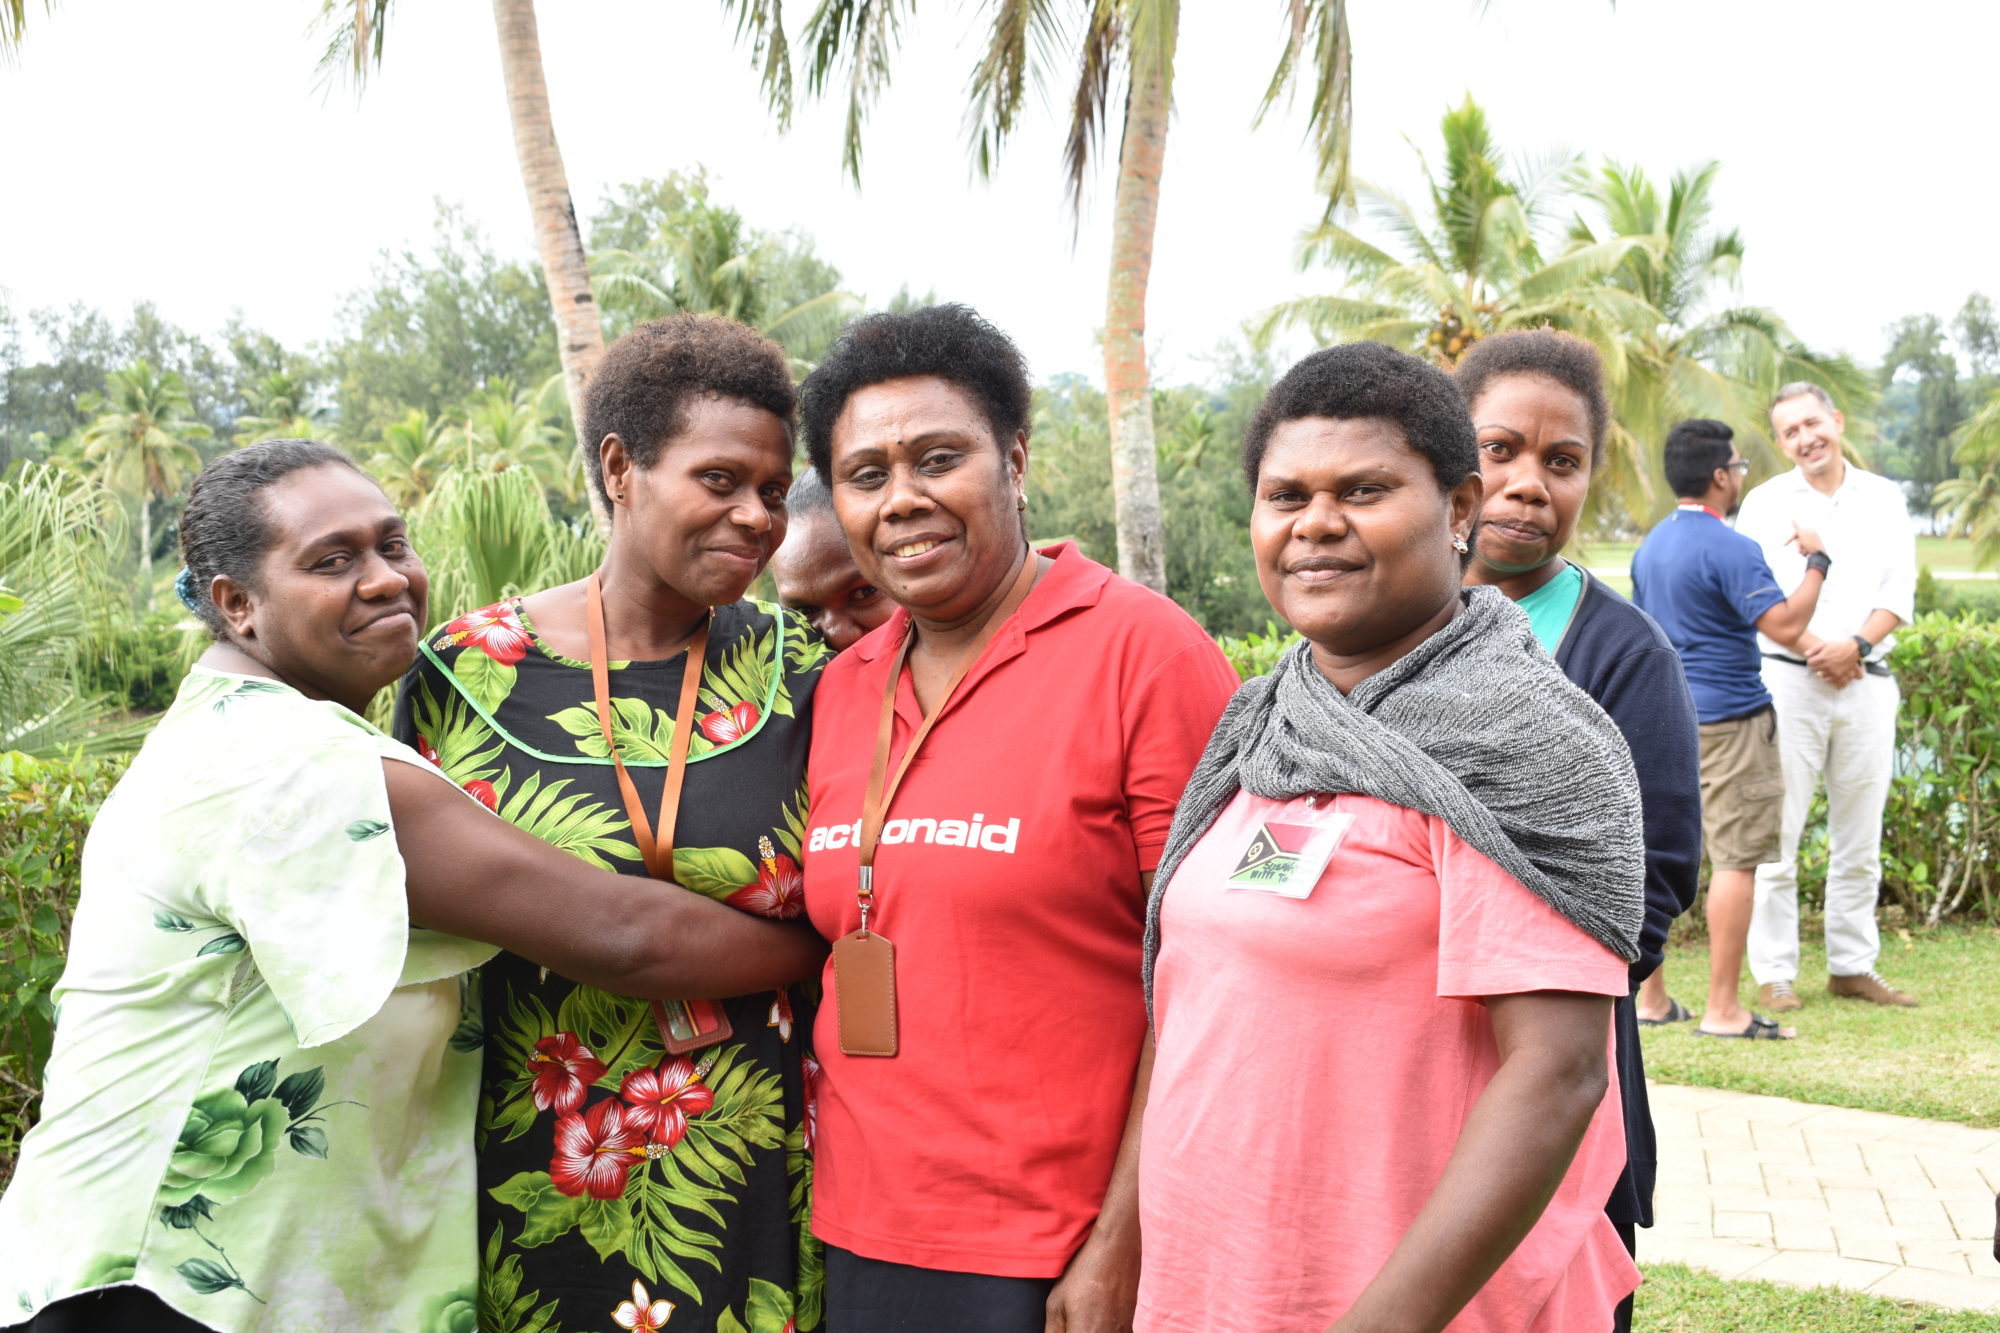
(1287, 856)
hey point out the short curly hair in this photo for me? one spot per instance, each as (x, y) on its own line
(952, 342)
(641, 391)
(1365, 379)
(1550, 353)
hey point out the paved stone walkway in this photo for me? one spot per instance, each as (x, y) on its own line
(1784, 1191)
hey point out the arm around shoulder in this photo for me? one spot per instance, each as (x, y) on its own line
(471, 873)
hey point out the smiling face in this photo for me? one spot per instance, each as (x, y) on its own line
(927, 497)
(1353, 536)
(816, 575)
(1534, 456)
(1809, 433)
(340, 595)
(710, 510)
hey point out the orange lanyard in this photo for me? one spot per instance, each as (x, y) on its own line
(875, 805)
(658, 855)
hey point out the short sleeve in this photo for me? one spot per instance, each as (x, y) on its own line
(1746, 581)
(299, 858)
(1897, 592)
(1495, 937)
(1167, 723)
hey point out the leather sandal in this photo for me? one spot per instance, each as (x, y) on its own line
(1760, 1029)
(1676, 1013)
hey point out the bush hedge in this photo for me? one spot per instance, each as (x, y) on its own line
(45, 810)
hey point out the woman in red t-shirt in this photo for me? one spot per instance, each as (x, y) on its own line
(1397, 903)
(982, 1028)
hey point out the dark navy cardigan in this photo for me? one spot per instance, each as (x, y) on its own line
(1616, 654)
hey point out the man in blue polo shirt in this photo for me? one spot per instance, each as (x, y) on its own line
(1712, 592)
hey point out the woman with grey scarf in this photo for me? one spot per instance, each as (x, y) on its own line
(1383, 942)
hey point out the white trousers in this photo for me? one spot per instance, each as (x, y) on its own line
(1848, 738)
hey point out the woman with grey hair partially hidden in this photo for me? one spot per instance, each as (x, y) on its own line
(1387, 930)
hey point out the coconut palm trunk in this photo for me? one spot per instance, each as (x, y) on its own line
(1135, 480)
(558, 241)
(146, 551)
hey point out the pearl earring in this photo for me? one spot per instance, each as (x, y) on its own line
(1458, 544)
(1021, 502)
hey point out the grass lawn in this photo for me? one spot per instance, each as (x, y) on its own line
(1685, 1300)
(1939, 1061)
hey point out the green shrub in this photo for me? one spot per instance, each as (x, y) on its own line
(1256, 654)
(1942, 825)
(45, 809)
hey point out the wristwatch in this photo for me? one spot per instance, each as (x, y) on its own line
(1819, 560)
(1865, 646)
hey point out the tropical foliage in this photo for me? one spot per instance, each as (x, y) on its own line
(142, 446)
(1641, 275)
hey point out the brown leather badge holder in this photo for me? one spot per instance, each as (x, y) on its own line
(864, 981)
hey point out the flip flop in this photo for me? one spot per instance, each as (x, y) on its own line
(1760, 1029)
(1676, 1013)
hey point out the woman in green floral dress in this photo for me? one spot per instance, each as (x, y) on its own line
(621, 1180)
(259, 1109)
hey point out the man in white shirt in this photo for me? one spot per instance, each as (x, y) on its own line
(1835, 698)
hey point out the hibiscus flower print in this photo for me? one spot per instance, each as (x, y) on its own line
(780, 890)
(733, 725)
(428, 751)
(562, 1067)
(660, 1101)
(595, 1152)
(781, 1015)
(495, 630)
(641, 1312)
(811, 1089)
(482, 791)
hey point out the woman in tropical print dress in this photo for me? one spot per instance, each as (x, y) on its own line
(619, 1181)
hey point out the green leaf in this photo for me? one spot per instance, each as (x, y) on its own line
(550, 1212)
(307, 1140)
(361, 830)
(46, 922)
(174, 921)
(184, 1216)
(229, 943)
(206, 1276)
(714, 872)
(256, 1082)
(468, 1036)
(770, 1307)
(300, 1092)
(608, 1226)
(485, 681)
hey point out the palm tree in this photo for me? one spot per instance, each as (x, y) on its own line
(141, 445)
(1972, 498)
(1684, 351)
(1472, 262)
(706, 261)
(507, 427)
(1126, 45)
(60, 535)
(354, 29)
(409, 460)
(279, 410)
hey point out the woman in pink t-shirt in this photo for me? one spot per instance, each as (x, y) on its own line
(1386, 932)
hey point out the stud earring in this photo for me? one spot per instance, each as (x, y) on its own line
(1458, 544)
(1021, 502)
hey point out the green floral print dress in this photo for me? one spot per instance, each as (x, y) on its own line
(621, 1187)
(258, 1106)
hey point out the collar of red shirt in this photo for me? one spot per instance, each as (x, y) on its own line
(1696, 504)
(1073, 581)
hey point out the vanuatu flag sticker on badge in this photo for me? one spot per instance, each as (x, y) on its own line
(1286, 856)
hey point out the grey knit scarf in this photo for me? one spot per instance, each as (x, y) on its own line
(1476, 725)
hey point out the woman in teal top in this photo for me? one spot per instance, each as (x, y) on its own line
(1537, 400)
(259, 1108)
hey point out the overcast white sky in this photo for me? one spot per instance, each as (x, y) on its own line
(150, 153)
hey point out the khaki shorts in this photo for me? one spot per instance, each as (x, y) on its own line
(1742, 791)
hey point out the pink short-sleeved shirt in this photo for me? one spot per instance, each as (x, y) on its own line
(1317, 1058)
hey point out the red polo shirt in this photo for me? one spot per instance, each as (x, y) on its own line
(1008, 878)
